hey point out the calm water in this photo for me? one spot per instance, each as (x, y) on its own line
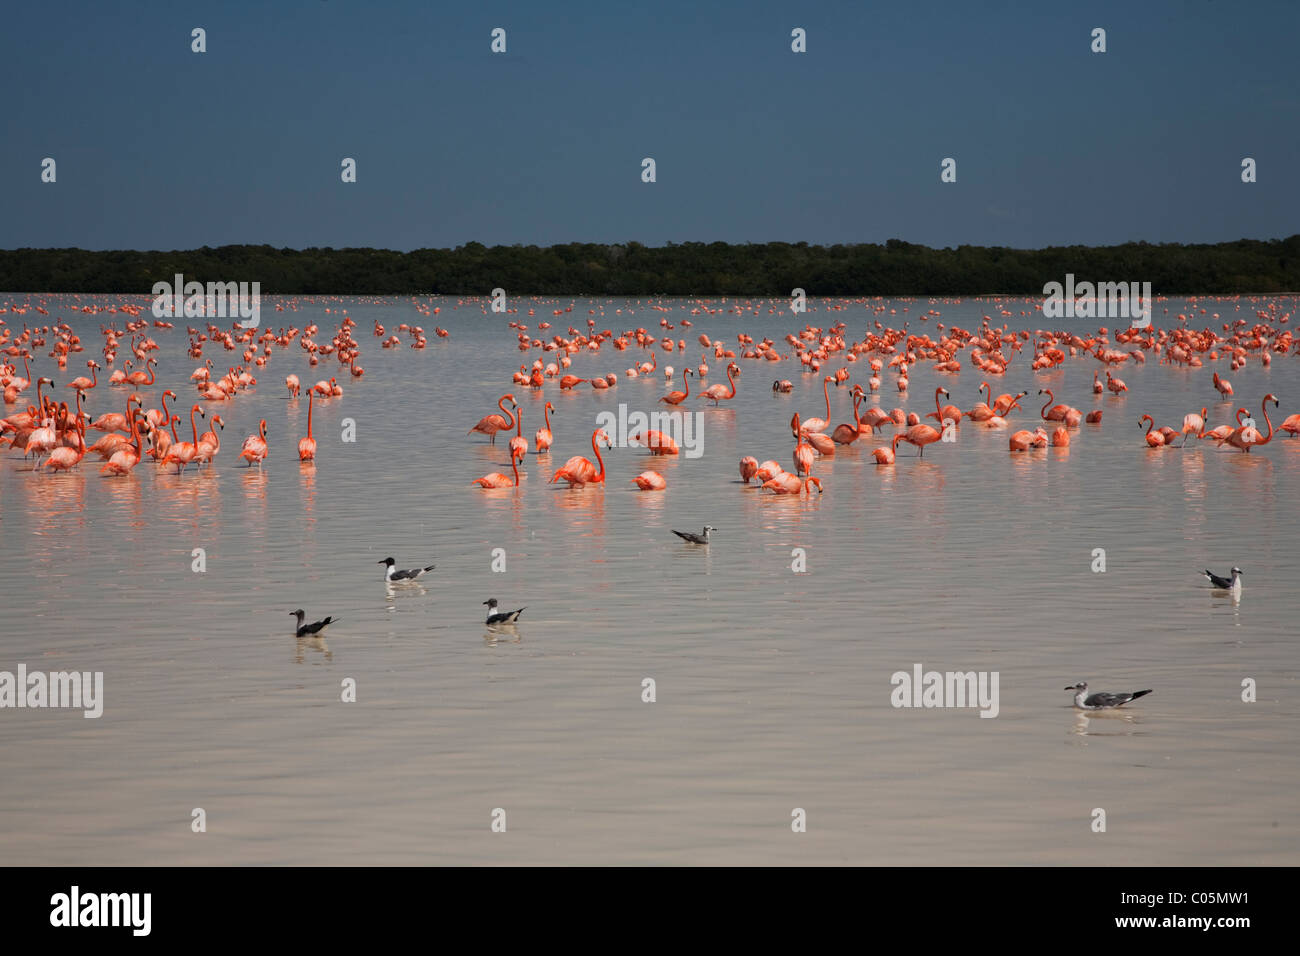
(773, 687)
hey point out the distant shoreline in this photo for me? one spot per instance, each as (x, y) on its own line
(693, 269)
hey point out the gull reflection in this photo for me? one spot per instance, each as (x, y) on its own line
(1117, 724)
(304, 644)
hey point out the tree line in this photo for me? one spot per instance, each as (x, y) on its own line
(689, 268)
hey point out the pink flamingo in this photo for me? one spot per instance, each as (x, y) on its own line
(491, 424)
(721, 393)
(650, 481)
(578, 471)
(498, 480)
(307, 446)
(255, 448)
(543, 436)
(182, 453)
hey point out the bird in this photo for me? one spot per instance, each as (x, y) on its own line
(501, 617)
(1085, 701)
(1232, 583)
(310, 630)
(392, 574)
(693, 538)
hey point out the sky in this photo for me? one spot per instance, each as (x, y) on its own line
(159, 147)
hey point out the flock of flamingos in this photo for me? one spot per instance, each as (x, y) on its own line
(55, 433)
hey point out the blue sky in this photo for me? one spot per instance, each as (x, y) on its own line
(161, 148)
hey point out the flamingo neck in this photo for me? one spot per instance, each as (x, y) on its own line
(595, 448)
(1269, 437)
(1050, 398)
(310, 403)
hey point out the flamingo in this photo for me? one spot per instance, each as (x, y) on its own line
(1154, 439)
(491, 424)
(918, 435)
(676, 398)
(944, 413)
(1056, 413)
(1290, 425)
(543, 436)
(721, 393)
(1223, 385)
(1221, 433)
(65, 458)
(1115, 385)
(821, 424)
(255, 448)
(846, 434)
(1024, 440)
(1003, 404)
(84, 384)
(578, 471)
(788, 484)
(883, 455)
(127, 457)
(803, 452)
(519, 444)
(656, 441)
(748, 468)
(983, 411)
(1097, 387)
(181, 453)
(1194, 424)
(210, 442)
(650, 481)
(1248, 437)
(498, 480)
(146, 377)
(307, 446)
(42, 440)
(292, 383)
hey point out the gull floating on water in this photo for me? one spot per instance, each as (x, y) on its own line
(1232, 584)
(1085, 701)
(501, 617)
(310, 630)
(391, 574)
(693, 538)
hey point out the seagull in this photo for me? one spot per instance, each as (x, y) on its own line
(1232, 584)
(501, 617)
(310, 630)
(693, 538)
(391, 575)
(1085, 701)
